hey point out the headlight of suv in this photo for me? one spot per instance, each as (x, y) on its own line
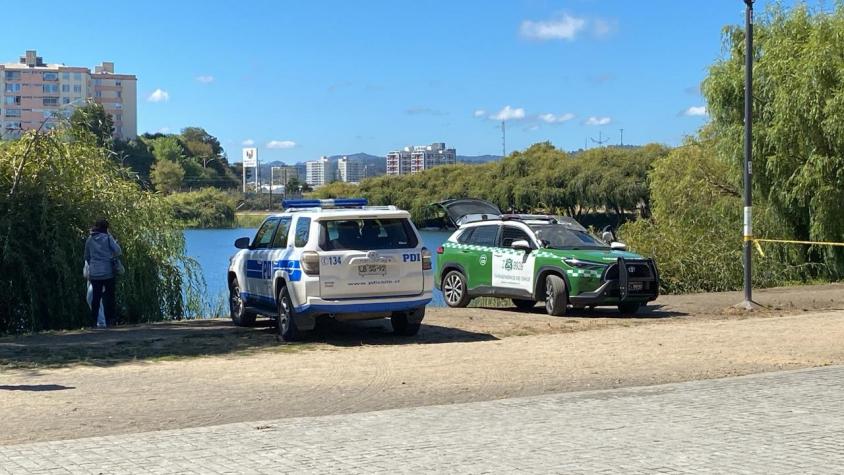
(584, 264)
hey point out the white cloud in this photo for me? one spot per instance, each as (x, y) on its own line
(205, 78)
(565, 27)
(509, 113)
(695, 111)
(163, 130)
(248, 143)
(281, 144)
(159, 95)
(479, 113)
(556, 119)
(598, 120)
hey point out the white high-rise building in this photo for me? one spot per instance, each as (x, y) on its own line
(420, 157)
(350, 170)
(320, 172)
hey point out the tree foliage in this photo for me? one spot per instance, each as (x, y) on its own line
(167, 176)
(52, 188)
(205, 208)
(798, 125)
(94, 120)
(539, 179)
(694, 233)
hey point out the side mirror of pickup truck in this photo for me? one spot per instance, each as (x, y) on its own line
(242, 243)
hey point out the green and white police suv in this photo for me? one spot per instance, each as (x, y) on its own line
(332, 258)
(533, 258)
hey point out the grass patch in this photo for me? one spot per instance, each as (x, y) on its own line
(249, 220)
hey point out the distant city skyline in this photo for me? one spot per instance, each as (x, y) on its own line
(299, 81)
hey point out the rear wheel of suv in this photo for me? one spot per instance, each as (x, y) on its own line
(407, 323)
(524, 304)
(629, 308)
(454, 289)
(556, 299)
(237, 307)
(287, 330)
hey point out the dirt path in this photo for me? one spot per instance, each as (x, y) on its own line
(461, 355)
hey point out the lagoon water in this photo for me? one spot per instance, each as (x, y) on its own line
(212, 248)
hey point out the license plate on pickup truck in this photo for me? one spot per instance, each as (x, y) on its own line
(636, 285)
(372, 269)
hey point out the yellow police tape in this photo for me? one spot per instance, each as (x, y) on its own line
(789, 241)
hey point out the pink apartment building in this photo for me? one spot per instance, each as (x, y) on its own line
(34, 92)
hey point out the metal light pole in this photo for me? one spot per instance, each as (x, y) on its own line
(748, 148)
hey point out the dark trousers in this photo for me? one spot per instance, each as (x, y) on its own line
(103, 291)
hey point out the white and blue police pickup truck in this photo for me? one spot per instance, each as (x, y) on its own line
(331, 258)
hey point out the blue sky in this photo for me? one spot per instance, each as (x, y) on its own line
(304, 79)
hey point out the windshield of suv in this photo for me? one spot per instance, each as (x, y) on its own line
(558, 236)
(367, 234)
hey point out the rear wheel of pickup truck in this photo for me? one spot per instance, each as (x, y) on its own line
(407, 323)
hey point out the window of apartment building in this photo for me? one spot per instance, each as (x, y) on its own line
(98, 94)
(51, 101)
(65, 87)
(50, 88)
(117, 83)
(77, 88)
(98, 82)
(77, 76)
(13, 112)
(118, 117)
(66, 76)
(13, 75)
(13, 88)
(119, 94)
(65, 100)
(13, 100)
(118, 105)
(13, 125)
(51, 76)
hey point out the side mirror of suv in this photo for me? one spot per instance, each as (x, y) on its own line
(242, 243)
(521, 245)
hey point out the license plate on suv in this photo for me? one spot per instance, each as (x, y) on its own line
(636, 285)
(372, 269)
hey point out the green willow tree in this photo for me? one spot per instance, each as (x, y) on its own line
(798, 124)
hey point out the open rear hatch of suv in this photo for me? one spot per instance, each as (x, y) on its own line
(455, 212)
(369, 257)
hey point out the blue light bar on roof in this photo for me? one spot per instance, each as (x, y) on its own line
(332, 203)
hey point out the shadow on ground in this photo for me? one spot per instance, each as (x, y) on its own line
(651, 311)
(173, 340)
(35, 387)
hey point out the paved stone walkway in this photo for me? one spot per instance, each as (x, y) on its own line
(788, 422)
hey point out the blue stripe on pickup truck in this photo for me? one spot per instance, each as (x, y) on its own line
(363, 307)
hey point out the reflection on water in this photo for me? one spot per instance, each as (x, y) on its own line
(212, 248)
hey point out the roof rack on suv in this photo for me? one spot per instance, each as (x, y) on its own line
(529, 217)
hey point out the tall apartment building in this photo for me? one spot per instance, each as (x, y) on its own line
(319, 172)
(36, 92)
(420, 157)
(350, 170)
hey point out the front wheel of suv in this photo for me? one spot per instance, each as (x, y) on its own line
(556, 298)
(454, 289)
(237, 307)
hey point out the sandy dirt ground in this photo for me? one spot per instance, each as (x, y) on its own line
(151, 377)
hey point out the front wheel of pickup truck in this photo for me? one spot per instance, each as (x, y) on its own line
(407, 323)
